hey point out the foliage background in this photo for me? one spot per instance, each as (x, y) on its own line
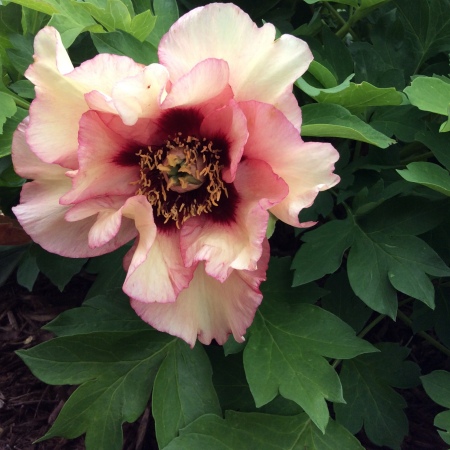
(312, 372)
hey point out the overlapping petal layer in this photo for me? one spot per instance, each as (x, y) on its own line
(261, 68)
(187, 157)
(210, 309)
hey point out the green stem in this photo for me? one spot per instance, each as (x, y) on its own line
(18, 100)
(403, 317)
(346, 28)
(419, 157)
(22, 103)
(339, 18)
(371, 325)
(365, 330)
(334, 13)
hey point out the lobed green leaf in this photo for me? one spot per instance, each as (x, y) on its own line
(329, 120)
(247, 431)
(285, 354)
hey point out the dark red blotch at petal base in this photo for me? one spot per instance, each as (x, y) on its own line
(187, 122)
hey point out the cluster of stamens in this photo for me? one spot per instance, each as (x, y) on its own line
(170, 174)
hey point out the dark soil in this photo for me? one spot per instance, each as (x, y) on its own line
(28, 407)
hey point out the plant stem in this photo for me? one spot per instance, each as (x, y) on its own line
(22, 103)
(365, 330)
(346, 28)
(419, 157)
(402, 316)
(334, 13)
(371, 325)
(339, 18)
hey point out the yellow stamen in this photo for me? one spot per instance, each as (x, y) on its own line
(180, 166)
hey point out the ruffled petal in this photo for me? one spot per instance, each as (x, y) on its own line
(44, 218)
(140, 96)
(260, 68)
(26, 163)
(210, 309)
(306, 167)
(206, 81)
(237, 243)
(228, 124)
(109, 220)
(100, 173)
(156, 272)
(60, 89)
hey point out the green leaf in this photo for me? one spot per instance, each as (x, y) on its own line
(183, 391)
(58, 269)
(405, 122)
(323, 205)
(248, 431)
(116, 372)
(28, 270)
(233, 390)
(325, 77)
(70, 28)
(371, 401)
(378, 263)
(7, 109)
(362, 95)
(108, 312)
(437, 143)
(427, 28)
(322, 251)
(429, 94)
(121, 43)
(428, 174)
(328, 120)
(344, 2)
(314, 92)
(371, 66)
(271, 225)
(21, 55)
(46, 6)
(142, 25)
(230, 381)
(402, 216)
(166, 12)
(32, 21)
(279, 282)
(365, 4)
(112, 14)
(10, 256)
(437, 386)
(442, 420)
(343, 303)
(335, 54)
(286, 354)
(10, 19)
(8, 131)
(115, 15)
(24, 88)
(109, 270)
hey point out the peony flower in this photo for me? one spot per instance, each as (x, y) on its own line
(187, 157)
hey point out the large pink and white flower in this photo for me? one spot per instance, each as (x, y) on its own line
(186, 157)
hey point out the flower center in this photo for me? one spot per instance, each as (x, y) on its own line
(182, 178)
(182, 168)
